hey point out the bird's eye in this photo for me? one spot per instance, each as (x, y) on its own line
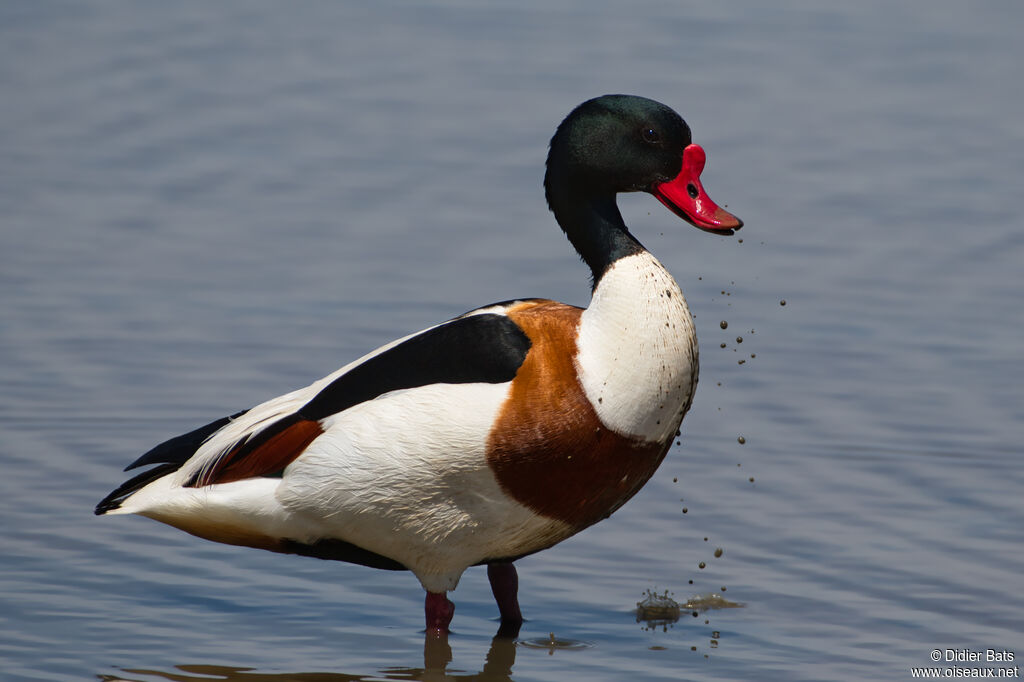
(651, 135)
(691, 189)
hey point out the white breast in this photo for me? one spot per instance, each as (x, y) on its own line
(637, 358)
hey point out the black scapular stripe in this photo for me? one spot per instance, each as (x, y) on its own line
(485, 348)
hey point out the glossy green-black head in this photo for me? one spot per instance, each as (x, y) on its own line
(624, 143)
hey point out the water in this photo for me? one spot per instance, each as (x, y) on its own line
(204, 206)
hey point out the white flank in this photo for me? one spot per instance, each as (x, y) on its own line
(637, 356)
(406, 476)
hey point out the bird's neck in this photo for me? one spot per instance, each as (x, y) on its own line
(593, 224)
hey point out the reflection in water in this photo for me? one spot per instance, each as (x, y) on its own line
(437, 654)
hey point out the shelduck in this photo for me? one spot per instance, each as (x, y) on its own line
(491, 436)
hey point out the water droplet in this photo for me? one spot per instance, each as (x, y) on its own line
(725, 325)
(782, 302)
(741, 440)
(739, 339)
(702, 565)
(718, 552)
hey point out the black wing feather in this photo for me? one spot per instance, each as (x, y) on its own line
(487, 348)
(179, 449)
(170, 455)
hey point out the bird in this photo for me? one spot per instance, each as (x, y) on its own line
(490, 436)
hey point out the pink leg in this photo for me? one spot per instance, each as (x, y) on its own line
(505, 587)
(439, 612)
